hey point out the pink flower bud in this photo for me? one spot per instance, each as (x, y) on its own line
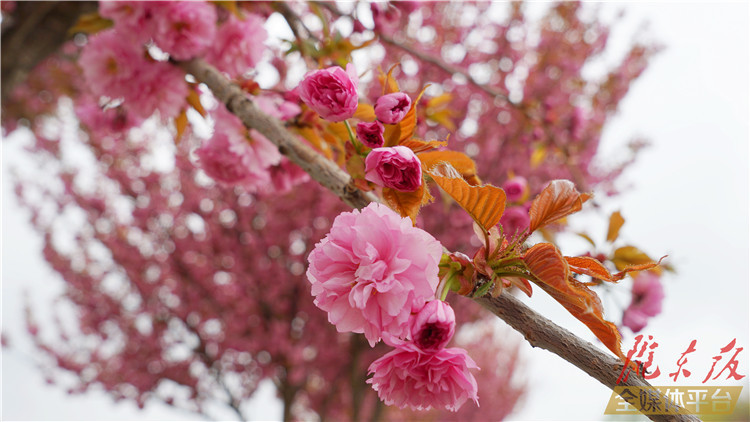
(394, 167)
(331, 92)
(433, 326)
(371, 134)
(648, 293)
(391, 108)
(515, 189)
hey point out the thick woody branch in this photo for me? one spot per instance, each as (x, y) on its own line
(541, 332)
(237, 102)
(538, 330)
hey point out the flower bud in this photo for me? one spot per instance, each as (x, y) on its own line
(331, 92)
(391, 108)
(371, 134)
(434, 325)
(394, 167)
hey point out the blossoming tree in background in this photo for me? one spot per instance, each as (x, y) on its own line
(185, 251)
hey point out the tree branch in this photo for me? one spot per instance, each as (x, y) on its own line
(237, 102)
(538, 330)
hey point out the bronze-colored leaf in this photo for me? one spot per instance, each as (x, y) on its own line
(193, 99)
(460, 161)
(629, 256)
(180, 124)
(388, 81)
(408, 124)
(553, 275)
(407, 204)
(365, 112)
(615, 222)
(559, 199)
(485, 203)
(90, 23)
(418, 145)
(589, 266)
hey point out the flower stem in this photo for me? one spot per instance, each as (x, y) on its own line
(353, 138)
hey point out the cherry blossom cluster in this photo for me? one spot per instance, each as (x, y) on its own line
(374, 273)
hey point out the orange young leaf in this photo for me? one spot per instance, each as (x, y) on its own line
(553, 275)
(407, 203)
(90, 23)
(559, 199)
(389, 83)
(615, 222)
(591, 267)
(193, 99)
(458, 160)
(418, 145)
(365, 112)
(485, 204)
(630, 256)
(180, 124)
(408, 124)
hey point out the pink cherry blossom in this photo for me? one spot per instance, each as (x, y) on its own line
(391, 108)
(132, 18)
(434, 325)
(116, 67)
(515, 189)
(184, 29)
(234, 156)
(238, 46)
(394, 167)
(331, 92)
(648, 294)
(407, 376)
(111, 64)
(372, 271)
(371, 134)
(515, 220)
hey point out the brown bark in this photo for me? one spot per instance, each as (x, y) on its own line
(32, 32)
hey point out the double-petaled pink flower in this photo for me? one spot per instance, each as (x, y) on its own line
(409, 376)
(373, 270)
(391, 108)
(331, 92)
(648, 294)
(394, 167)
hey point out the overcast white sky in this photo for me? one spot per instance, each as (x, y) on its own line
(689, 200)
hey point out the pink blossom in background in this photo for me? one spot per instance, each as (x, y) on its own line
(371, 134)
(160, 86)
(184, 29)
(331, 92)
(132, 19)
(116, 67)
(391, 108)
(101, 121)
(394, 167)
(111, 64)
(285, 176)
(648, 293)
(238, 46)
(410, 377)
(234, 156)
(277, 106)
(515, 220)
(373, 270)
(433, 326)
(516, 189)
